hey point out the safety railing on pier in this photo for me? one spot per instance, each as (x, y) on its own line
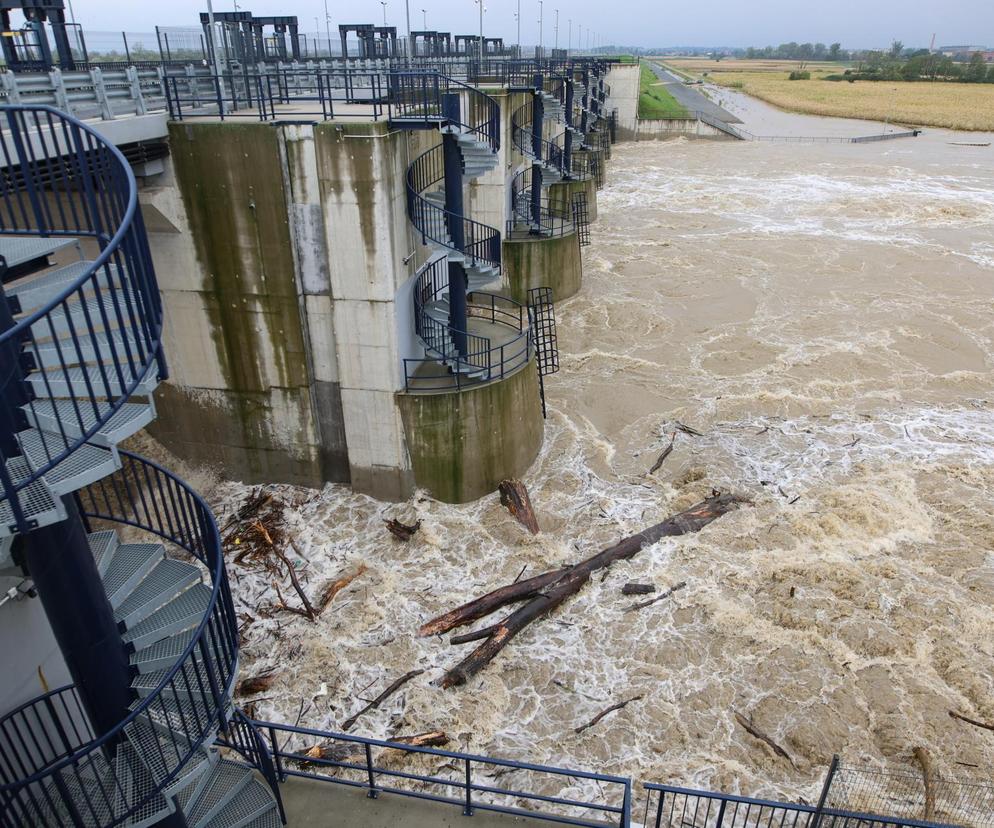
(545, 218)
(49, 756)
(548, 153)
(462, 780)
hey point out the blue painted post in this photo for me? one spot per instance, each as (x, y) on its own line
(584, 126)
(70, 588)
(568, 138)
(453, 167)
(538, 120)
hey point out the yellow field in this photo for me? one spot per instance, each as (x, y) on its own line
(965, 106)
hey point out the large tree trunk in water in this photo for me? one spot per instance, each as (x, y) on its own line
(544, 593)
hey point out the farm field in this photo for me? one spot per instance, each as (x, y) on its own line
(961, 106)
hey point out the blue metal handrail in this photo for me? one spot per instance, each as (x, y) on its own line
(145, 496)
(434, 222)
(417, 96)
(521, 135)
(550, 221)
(676, 807)
(369, 773)
(61, 178)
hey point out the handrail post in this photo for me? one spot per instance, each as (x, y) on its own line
(372, 793)
(468, 810)
(816, 820)
(659, 809)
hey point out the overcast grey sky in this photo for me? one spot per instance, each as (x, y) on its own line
(856, 23)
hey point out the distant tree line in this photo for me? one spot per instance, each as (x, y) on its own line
(895, 64)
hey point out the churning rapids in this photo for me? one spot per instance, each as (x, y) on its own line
(822, 315)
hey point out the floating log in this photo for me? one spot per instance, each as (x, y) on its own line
(393, 688)
(334, 587)
(341, 751)
(632, 588)
(544, 593)
(603, 713)
(752, 730)
(662, 457)
(255, 684)
(921, 754)
(402, 531)
(514, 497)
(651, 601)
(973, 722)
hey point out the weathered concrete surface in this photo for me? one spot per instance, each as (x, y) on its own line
(623, 78)
(543, 262)
(313, 804)
(463, 443)
(689, 127)
(561, 196)
(241, 392)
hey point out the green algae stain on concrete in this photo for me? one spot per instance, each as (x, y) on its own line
(543, 262)
(463, 443)
(231, 180)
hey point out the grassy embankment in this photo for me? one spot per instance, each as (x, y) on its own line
(966, 106)
(655, 102)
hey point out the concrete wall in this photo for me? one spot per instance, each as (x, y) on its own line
(463, 444)
(543, 262)
(623, 78)
(690, 127)
(561, 196)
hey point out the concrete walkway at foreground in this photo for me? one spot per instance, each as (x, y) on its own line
(313, 804)
(689, 97)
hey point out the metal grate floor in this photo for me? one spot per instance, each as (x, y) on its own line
(36, 291)
(36, 500)
(131, 563)
(77, 418)
(112, 309)
(252, 801)
(225, 782)
(103, 545)
(162, 654)
(167, 579)
(86, 464)
(178, 615)
(77, 382)
(18, 250)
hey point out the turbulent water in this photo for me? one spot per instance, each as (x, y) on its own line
(822, 315)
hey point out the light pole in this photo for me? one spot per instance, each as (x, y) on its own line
(384, 4)
(518, 18)
(424, 21)
(327, 26)
(569, 41)
(407, 9)
(481, 34)
(556, 42)
(540, 15)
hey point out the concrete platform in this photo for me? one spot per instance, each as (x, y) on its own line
(313, 804)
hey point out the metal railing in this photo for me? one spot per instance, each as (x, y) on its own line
(418, 96)
(481, 242)
(468, 784)
(62, 179)
(549, 153)
(545, 219)
(104, 91)
(483, 360)
(242, 735)
(49, 757)
(674, 807)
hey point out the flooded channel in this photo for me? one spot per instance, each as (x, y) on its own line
(823, 316)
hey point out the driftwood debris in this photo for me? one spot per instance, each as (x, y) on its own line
(514, 497)
(255, 684)
(921, 754)
(340, 751)
(958, 716)
(662, 457)
(651, 601)
(603, 713)
(402, 531)
(754, 731)
(393, 688)
(544, 593)
(632, 588)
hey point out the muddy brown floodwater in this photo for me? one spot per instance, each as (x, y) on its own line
(823, 316)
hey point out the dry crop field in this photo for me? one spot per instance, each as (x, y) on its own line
(963, 106)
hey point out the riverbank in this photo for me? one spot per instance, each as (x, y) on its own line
(959, 106)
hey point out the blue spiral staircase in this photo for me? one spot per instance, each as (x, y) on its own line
(126, 557)
(445, 302)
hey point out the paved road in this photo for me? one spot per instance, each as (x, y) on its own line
(689, 97)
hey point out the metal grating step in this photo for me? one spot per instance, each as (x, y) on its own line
(190, 792)
(162, 654)
(250, 803)
(111, 310)
(167, 579)
(36, 500)
(137, 790)
(103, 347)
(192, 681)
(86, 464)
(181, 718)
(78, 417)
(178, 615)
(165, 754)
(226, 780)
(78, 382)
(270, 819)
(35, 292)
(131, 563)
(19, 250)
(103, 545)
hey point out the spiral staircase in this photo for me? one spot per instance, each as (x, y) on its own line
(80, 352)
(472, 118)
